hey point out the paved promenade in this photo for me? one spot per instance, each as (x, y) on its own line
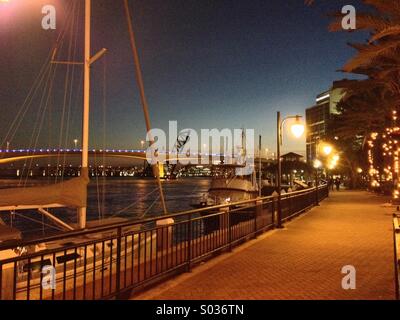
(302, 261)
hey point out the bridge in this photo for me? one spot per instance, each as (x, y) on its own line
(9, 156)
(15, 155)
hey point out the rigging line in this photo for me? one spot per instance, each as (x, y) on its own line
(74, 32)
(18, 116)
(150, 207)
(134, 203)
(66, 85)
(33, 89)
(139, 80)
(97, 187)
(37, 221)
(24, 109)
(59, 40)
(50, 89)
(103, 195)
(78, 96)
(67, 30)
(65, 99)
(39, 114)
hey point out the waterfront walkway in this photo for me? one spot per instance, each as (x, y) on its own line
(302, 261)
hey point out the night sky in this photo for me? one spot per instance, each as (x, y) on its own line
(206, 63)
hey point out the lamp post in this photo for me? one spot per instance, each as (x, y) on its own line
(297, 129)
(327, 150)
(75, 143)
(317, 165)
(144, 161)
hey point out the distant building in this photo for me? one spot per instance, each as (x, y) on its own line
(317, 118)
(291, 156)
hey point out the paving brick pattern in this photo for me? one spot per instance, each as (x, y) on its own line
(304, 260)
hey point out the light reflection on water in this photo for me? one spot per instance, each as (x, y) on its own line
(114, 197)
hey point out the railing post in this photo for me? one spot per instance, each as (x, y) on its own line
(1, 280)
(396, 268)
(257, 213)
(189, 257)
(229, 230)
(279, 211)
(118, 271)
(273, 211)
(395, 255)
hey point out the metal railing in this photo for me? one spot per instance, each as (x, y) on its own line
(113, 260)
(396, 245)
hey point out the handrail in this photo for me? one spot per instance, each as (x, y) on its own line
(130, 259)
(396, 247)
(130, 223)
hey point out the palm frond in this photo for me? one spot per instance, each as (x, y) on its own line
(390, 31)
(369, 53)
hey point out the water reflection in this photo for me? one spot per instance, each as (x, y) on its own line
(112, 197)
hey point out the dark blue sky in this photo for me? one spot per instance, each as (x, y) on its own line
(206, 64)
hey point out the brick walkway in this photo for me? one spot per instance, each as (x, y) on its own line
(302, 261)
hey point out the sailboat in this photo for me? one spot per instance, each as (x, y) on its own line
(73, 193)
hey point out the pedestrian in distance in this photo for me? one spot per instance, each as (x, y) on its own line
(337, 183)
(330, 184)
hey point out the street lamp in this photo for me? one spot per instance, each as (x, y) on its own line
(75, 143)
(142, 143)
(297, 130)
(317, 165)
(327, 149)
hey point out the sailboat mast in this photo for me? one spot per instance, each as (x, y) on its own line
(139, 80)
(86, 101)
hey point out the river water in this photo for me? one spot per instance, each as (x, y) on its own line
(112, 197)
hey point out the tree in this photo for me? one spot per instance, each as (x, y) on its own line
(368, 103)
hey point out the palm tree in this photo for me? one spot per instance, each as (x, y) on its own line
(380, 53)
(368, 103)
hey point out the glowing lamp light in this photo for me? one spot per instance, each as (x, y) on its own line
(359, 170)
(297, 128)
(317, 164)
(327, 149)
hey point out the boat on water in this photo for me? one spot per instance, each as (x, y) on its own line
(71, 193)
(229, 188)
